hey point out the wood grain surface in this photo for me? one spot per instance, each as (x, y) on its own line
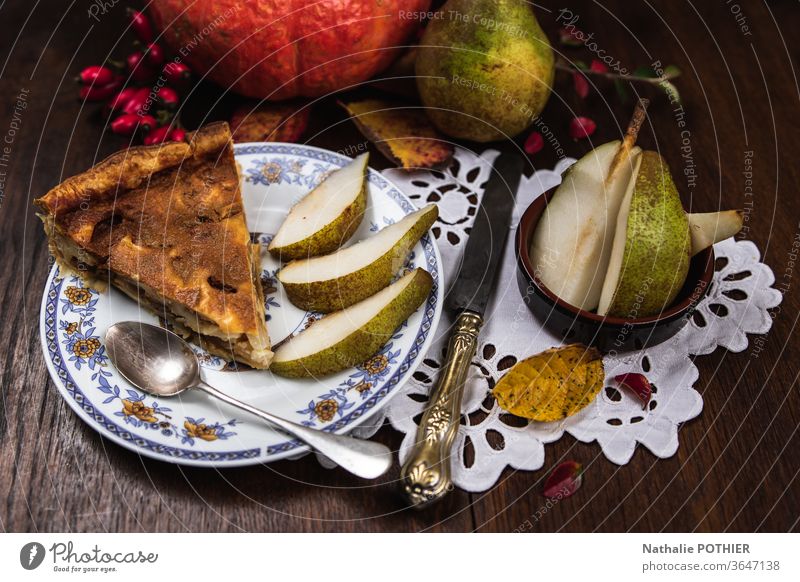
(736, 468)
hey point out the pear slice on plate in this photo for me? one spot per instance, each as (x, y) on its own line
(327, 217)
(333, 282)
(349, 337)
(652, 246)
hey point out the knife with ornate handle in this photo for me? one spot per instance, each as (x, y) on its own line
(425, 476)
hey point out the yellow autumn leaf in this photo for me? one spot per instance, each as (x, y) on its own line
(402, 134)
(552, 385)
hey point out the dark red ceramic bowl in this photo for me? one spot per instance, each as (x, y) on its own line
(609, 334)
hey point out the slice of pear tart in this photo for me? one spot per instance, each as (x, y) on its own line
(165, 225)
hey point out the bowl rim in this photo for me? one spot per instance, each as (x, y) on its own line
(525, 230)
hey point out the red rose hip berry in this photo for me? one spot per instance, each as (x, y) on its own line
(138, 68)
(177, 134)
(157, 135)
(141, 25)
(176, 73)
(125, 124)
(96, 75)
(168, 97)
(534, 143)
(154, 55)
(100, 93)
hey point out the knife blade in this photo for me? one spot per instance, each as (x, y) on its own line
(425, 475)
(484, 250)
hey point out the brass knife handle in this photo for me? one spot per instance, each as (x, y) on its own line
(425, 476)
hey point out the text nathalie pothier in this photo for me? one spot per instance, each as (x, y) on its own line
(696, 549)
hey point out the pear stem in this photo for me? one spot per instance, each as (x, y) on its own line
(631, 134)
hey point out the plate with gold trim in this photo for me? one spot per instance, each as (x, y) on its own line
(193, 428)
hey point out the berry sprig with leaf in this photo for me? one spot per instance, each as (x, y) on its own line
(586, 76)
(598, 70)
(141, 94)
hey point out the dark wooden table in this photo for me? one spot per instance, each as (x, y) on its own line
(736, 469)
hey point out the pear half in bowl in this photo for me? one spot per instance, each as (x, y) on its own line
(573, 242)
(650, 254)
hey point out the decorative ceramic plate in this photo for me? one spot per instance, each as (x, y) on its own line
(193, 428)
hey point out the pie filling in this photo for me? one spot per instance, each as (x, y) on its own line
(249, 349)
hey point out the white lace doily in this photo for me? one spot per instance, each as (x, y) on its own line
(489, 440)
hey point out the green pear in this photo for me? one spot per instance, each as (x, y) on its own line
(652, 245)
(327, 217)
(349, 337)
(571, 245)
(484, 69)
(338, 280)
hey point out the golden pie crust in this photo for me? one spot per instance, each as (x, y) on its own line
(165, 225)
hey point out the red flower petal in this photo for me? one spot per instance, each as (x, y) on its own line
(565, 480)
(581, 85)
(534, 143)
(598, 66)
(581, 127)
(639, 385)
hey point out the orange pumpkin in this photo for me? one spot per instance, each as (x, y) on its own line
(277, 49)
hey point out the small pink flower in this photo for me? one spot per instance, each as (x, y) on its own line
(598, 66)
(534, 143)
(581, 128)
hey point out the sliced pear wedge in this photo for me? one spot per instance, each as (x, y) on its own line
(650, 257)
(618, 245)
(327, 217)
(708, 228)
(336, 281)
(571, 246)
(347, 338)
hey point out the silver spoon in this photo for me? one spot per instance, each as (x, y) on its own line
(160, 363)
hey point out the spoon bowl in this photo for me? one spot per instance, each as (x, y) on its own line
(152, 358)
(158, 362)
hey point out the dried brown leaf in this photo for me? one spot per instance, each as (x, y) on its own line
(404, 135)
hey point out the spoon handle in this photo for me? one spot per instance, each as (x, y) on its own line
(364, 458)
